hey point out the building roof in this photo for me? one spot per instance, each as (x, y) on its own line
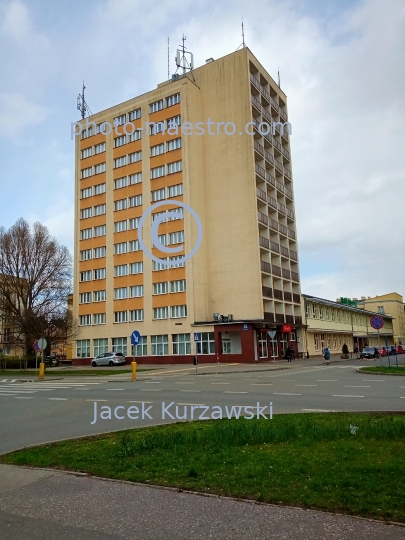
(342, 306)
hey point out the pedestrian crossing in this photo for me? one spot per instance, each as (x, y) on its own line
(26, 390)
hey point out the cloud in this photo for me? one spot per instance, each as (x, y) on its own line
(18, 115)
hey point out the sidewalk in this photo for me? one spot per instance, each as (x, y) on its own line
(43, 504)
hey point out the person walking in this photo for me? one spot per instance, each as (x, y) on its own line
(326, 355)
(289, 353)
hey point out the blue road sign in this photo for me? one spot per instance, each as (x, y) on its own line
(377, 322)
(245, 327)
(197, 337)
(135, 337)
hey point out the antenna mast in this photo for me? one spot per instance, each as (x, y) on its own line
(181, 58)
(243, 44)
(168, 60)
(278, 74)
(82, 105)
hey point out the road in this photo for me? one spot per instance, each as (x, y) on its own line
(38, 412)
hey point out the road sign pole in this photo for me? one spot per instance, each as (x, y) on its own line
(378, 331)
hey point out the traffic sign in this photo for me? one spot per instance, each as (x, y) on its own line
(245, 327)
(197, 336)
(135, 337)
(36, 346)
(377, 322)
(42, 344)
(272, 333)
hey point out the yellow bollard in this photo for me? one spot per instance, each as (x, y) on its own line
(41, 371)
(133, 365)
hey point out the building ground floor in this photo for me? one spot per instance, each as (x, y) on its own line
(244, 342)
(317, 341)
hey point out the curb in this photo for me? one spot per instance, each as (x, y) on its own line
(359, 370)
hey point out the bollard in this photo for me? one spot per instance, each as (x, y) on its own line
(41, 371)
(133, 365)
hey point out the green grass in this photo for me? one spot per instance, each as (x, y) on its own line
(393, 370)
(311, 460)
(73, 372)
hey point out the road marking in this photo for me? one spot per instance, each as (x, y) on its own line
(185, 382)
(342, 395)
(317, 410)
(373, 380)
(140, 402)
(402, 397)
(5, 392)
(306, 385)
(114, 389)
(152, 382)
(230, 392)
(93, 400)
(82, 388)
(328, 380)
(8, 394)
(221, 383)
(23, 397)
(190, 390)
(150, 389)
(285, 394)
(351, 386)
(261, 384)
(59, 398)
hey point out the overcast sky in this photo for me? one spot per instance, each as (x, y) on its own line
(342, 66)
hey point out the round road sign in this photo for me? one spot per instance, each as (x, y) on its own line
(377, 322)
(42, 344)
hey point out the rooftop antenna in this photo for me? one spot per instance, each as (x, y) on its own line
(82, 105)
(243, 44)
(181, 58)
(168, 60)
(278, 74)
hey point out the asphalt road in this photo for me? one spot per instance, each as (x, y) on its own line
(38, 412)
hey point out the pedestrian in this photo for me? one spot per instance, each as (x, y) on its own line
(289, 353)
(326, 355)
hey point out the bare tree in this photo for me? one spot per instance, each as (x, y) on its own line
(35, 281)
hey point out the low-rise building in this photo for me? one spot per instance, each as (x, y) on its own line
(333, 324)
(389, 304)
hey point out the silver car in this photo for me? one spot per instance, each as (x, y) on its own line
(108, 359)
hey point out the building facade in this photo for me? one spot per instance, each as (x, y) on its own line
(240, 291)
(333, 324)
(389, 304)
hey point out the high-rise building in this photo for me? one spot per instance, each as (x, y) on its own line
(216, 139)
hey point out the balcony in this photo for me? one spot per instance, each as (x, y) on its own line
(262, 218)
(268, 317)
(291, 234)
(273, 224)
(279, 186)
(290, 213)
(283, 229)
(264, 242)
(267, 292)
(265, 267)
(277, 145)
(296, 298)
(287, 172)
(265, 94)
(266, 114)
(256, 124)
(289, 319)
(295, 276)
(269, 157)
(287, 296)
(293, 255)
(261, 194)
(288, 192)
(260, 170)
(278, 295)
(272, 201)
(283, 114)
(255, 81)
(270, 179)
(284, 251)
(259, 148)
(286, 273)
(268, 138)
(281, 208)
(279, 166)
(256, 103)
(285, 152)
(280, 318)
(274, 247)
(276, 271)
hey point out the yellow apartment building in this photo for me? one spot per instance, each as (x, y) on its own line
(389, 304)
(331, 324)
(199, 139)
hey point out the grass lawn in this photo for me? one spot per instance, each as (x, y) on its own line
(393, 370)
(348, 463)
(72, 372)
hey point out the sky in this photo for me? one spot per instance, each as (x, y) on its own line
(342, 66)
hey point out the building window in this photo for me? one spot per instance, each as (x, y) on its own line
(307, 310)
(121, 204)
(381, 310)
(135, 178)
(161, 313)
(157, 150)
(316, 342)
(87, 132)
(136, 268)
(87, 172)
(86, 153)
(85, 193)
(85, 276)
(174, 167)
(135, 201)
(83, 348)
(99, 189)
(120, 316)
(85, 320)
(100, 346)
(160, 288)
(99, 209)
(120, 182)
(100, 168)
(176, 237)
(99, 148)
(175, 144)
(155, 107)
(136, 315)
(98, 318)
(178, 311)
(334, 342)
(175, 191)
(172, 100)
(99, 273)
(99, 296)
(173, 122)
(85, 255)
(85, 298)
(158, 194)
(178, 265)
(322, 341)
(158, 266)
(314, 311)
(121, 293)
(226, 346)
(178, 286)
(141, 349)
(100, 230)
(181, 344)
(120, 120)
(156, 127)
(120, 226)
(119, 344)
(120, 162)
(135, 136)
(121, 270)
(120, 141)
(120, 248)
(207, 343)
(136, 291)
(85, 234)
(321, 312)
(134, 245)
(133, 223)
(157, 172)
(99, 252)
(160, 345)
(135, 157)
(85, 213)
(134, 115)
(162, 239)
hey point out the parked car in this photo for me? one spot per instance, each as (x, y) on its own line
(108, 359)
(400, 349)
(369, 352)
(382, 351)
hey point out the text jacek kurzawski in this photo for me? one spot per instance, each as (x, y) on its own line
(174, 411)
